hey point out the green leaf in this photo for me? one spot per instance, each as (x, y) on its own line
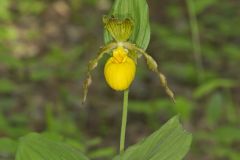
(171, 142)
(226, 134)
(137, 10)
(7, 86)
(212, 85)
(102, 153)
(10, 61)
(36, 147)
(8, 33)
(32, 7)
(203, 4)
(4, 10)
(41, 74)
(7, 146)
(214, 109)
(183, 107)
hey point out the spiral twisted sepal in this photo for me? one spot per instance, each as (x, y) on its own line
(153, 66)
(93, 64)
(86, 84)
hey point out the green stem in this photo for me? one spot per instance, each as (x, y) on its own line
(124, 121)
(195, 38)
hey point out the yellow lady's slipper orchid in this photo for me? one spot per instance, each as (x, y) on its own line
(119, 70)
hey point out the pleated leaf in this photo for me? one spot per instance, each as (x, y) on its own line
(137, 10)
(171, 142)
(36, 147)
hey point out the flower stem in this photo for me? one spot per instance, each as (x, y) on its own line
(195, 38)
(124, 121)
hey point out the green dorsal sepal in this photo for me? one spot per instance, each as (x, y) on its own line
(120, 30)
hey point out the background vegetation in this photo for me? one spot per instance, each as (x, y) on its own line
(44, 49)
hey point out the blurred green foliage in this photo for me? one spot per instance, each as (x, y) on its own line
(44, 49)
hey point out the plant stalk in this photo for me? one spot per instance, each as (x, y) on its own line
(195, 38)
(124, 121)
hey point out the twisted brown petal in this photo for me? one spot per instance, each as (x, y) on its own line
(153, 66)
(92, 65)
